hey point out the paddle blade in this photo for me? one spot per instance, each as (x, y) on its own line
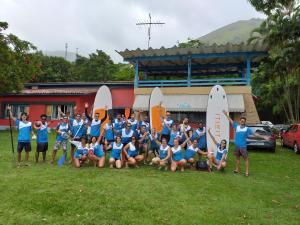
(127, 113)
(62, 159)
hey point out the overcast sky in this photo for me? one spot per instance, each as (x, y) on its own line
(110, 25)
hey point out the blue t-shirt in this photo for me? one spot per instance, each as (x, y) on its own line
(78, 128)
(63, 127)
(108, 132)
(146, 124)
(24, 130)
(95, 128)
(241, 134)
(98, 150)
(126, 136)
(202, 139)
(220, 153)
(165, 130)
(42, 134)
(118, 125)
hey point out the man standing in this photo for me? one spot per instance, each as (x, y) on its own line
(242, 132)
(167, 126)
(78, 128)
(42, 137)
(62, 131)
(200, 136)
(24, 129)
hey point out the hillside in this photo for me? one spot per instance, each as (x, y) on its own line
(236, 32)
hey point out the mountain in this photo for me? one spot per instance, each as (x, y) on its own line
(235, 33)
(71, 56)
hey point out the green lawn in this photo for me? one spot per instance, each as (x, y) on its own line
(47, 194)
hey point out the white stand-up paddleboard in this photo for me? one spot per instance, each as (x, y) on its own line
(157, 109)
(103, 99)
(215, 118)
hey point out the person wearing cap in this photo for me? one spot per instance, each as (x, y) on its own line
(62, 130)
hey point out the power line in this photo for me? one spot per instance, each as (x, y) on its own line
(149, 24)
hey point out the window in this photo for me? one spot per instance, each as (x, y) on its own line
(53, 110)
(16, 109)
(192, 116)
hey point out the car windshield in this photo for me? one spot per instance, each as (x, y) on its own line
(261, 130)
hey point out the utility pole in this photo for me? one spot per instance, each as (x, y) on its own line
(149, 24)
(76, 53)
(66, 51)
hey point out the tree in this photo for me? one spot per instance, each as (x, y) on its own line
(124, 72)
(277, 79)
(98, 67)
(54, 69)
(191, 43)
(18, 63)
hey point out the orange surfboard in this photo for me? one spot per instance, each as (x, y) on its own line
(157, 109)
(103, 104)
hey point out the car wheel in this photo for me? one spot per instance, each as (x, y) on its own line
(296, 149)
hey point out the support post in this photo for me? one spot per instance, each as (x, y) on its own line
(136, 78)
(248, 71)
(189, 77)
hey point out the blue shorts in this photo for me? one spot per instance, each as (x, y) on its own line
(99, 153)
(132, 153)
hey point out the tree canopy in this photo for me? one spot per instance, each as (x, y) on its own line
(277, 79)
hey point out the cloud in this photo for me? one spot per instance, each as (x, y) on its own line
(111, 25)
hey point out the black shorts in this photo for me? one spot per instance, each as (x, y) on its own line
(24, 145)
(166, 136)
(42, 147)
(75, 139)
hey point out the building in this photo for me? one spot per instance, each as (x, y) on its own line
(46, 98)
(186, 75)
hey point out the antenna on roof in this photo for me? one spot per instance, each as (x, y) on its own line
(149, 24)
(66, 51)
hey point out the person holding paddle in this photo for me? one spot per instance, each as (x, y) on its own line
(24, 128)
(62, 134)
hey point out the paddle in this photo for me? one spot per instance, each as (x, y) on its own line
(62, 159)
(11, 139)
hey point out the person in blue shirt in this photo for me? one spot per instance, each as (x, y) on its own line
(109, 132)
(131, 151)
(191, 150)
(116, 153)
(242, 132)
(217, 159)
(126, 134)
(78, 127)
(42, 137)
(96, 152)
(164, 154)
(118, 124)
(94, 124)
(200, 135)
(81, 153)
(24, 128)
(62, 134)
(144, 121)
(167, 126)
(184, 129)
(174, 134)
(143, 137)
(176, 154)
(134, 124)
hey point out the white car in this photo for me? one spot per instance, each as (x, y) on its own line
(268, 123)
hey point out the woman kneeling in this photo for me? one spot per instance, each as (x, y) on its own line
(177, 160)
(131, 151)
(218, 160)
(80, 155)
(96, 153)
(164, 154)
(116, 153)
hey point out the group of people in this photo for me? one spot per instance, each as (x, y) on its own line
(130, 141)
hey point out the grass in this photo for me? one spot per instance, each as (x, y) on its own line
(47, 194)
